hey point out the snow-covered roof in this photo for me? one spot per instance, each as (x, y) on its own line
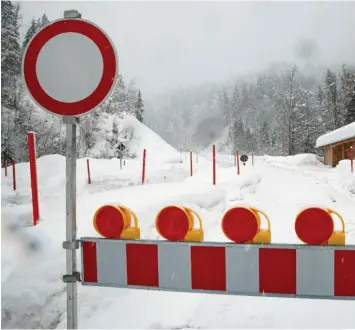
(338, 135)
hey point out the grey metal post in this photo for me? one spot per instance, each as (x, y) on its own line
(121, 161)
(71, 242)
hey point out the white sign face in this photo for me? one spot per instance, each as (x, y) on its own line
(64, 72)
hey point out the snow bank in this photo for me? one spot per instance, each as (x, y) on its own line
(105, 175)
(340, 134)
(339, 179)
(136, 137)
(296, 160)
(345, 179)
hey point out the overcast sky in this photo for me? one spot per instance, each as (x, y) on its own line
(169, 44)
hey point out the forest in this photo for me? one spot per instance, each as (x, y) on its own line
(279, 111)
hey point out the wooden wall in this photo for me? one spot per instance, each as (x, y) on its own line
(328, 155)
(333, 154)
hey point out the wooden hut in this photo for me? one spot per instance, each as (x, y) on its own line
(336, 144)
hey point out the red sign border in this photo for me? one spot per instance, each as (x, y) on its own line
(107, 82)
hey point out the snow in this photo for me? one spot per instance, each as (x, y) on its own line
(222, 143)
(338, 135)
(33, 261)
(143, 138)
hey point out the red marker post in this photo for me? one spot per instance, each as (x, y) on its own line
(88, 167)
(13, 174)
(143, 169)
(33, 171)
(214, 163)
(237, 158)
(190, 163)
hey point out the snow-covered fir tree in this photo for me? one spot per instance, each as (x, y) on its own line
(296, 106)
(10, 53)
(139, 107)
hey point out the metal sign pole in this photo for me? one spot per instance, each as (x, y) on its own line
(88, 33)
(71, 244)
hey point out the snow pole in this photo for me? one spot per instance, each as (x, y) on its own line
(252, 159)
(5, 167)
(143, 167)
(214, 163)
(237, 159)
(190, 163)
(13, 174)
(33, 172)
(88, 168)
(351, 159)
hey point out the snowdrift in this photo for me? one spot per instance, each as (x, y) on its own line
(136, 137)
(297, 160)
(340, 178)
(345, 178)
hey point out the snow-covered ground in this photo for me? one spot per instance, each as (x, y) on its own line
(33, 261)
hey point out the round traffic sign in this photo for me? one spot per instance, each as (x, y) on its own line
(244, 158)
(70, 67)
(240, 225)
(314, 226)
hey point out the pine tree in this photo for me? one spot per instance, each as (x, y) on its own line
(332, 106)
(308, 145)
(116, 102)
(139, 107)
(32, 30)
(10, 52)
(131, 97)
(7, 151)
(114, 139)
(350, 109)
(290, 107)
(264, 136)
(348, 94)
(239, 137)
(44, 21)
(226, 109)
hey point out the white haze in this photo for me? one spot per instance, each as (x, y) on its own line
(164, 45)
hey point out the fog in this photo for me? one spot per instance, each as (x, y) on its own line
(164, 45)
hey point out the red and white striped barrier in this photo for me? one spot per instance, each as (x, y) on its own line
(274, 270)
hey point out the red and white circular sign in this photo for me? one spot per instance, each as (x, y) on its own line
(70, 67)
